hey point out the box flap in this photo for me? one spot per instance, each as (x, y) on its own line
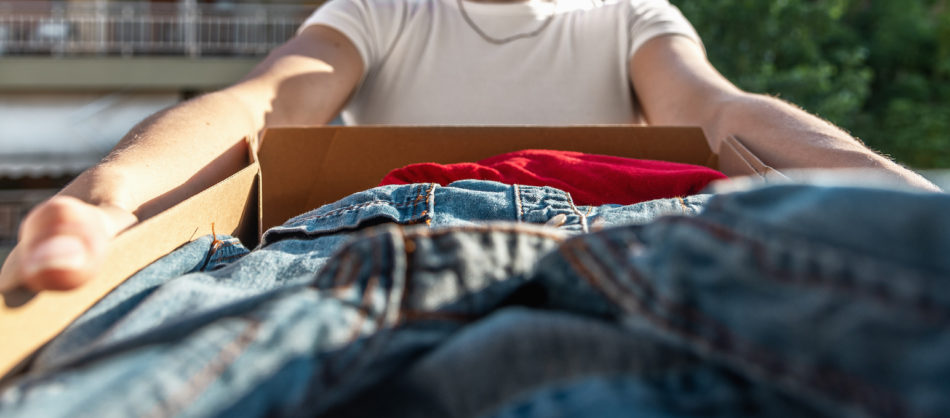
(736, 157)
(305, 168)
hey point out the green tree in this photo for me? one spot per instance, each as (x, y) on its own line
(879, 69)
(908, 114)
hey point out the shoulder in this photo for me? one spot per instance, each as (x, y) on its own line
(371, 25)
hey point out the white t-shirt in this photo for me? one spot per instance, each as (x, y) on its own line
(425, 65)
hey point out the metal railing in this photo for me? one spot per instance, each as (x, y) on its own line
(141, 28)
(14, 205)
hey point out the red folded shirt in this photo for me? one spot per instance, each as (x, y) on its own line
(590, 179)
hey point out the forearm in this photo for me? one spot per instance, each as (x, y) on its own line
(676, 85)
(177, 153)
(785, 137)
(171, 155)
(183, 150)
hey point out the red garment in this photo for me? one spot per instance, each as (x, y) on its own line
(590, 179)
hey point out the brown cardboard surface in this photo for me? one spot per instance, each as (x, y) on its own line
(28, 320)
(308, 167)
(735, 157)
(302, 168)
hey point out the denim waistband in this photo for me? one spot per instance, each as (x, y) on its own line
(470, 202)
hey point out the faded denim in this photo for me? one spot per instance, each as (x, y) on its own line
(424, 300)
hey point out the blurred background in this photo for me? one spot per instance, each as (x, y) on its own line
(75, 75)
(878, 68)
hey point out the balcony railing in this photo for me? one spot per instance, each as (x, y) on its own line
(133, 28)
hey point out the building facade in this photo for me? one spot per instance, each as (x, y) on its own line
(76, 75)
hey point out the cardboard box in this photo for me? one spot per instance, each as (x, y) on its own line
(298, 169)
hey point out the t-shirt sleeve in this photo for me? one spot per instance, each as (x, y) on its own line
(651, 18)
(357, 20)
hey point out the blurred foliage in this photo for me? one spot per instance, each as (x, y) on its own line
(879, 69)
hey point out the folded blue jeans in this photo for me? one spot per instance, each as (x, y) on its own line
(482, 299)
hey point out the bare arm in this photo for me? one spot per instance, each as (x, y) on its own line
(179, 152)
(676, 85)
(197, 143)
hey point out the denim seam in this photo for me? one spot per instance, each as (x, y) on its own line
(723, 344)
(405, 315)
(411, 202)
(377, 202)
(215, 246)
(344, 209)
(519, 206)
(225, 259)
(340, 285)
(423, 197)
(376, 339)
(682, 203)
(582, 218)
(430, 204)
(334, 375)
(212, 250)
(290, 229)
(878, 292)
(214, 368)
(363, 309)
(850, 390)
(347, 209)
(408, 249)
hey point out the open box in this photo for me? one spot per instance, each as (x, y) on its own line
(298, 169)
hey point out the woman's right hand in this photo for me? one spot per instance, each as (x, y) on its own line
(62, 244)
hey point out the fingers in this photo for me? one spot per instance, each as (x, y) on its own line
(62, 244)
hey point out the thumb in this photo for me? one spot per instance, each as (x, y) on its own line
(62, 244)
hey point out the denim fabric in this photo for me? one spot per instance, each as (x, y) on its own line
(784, 301)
